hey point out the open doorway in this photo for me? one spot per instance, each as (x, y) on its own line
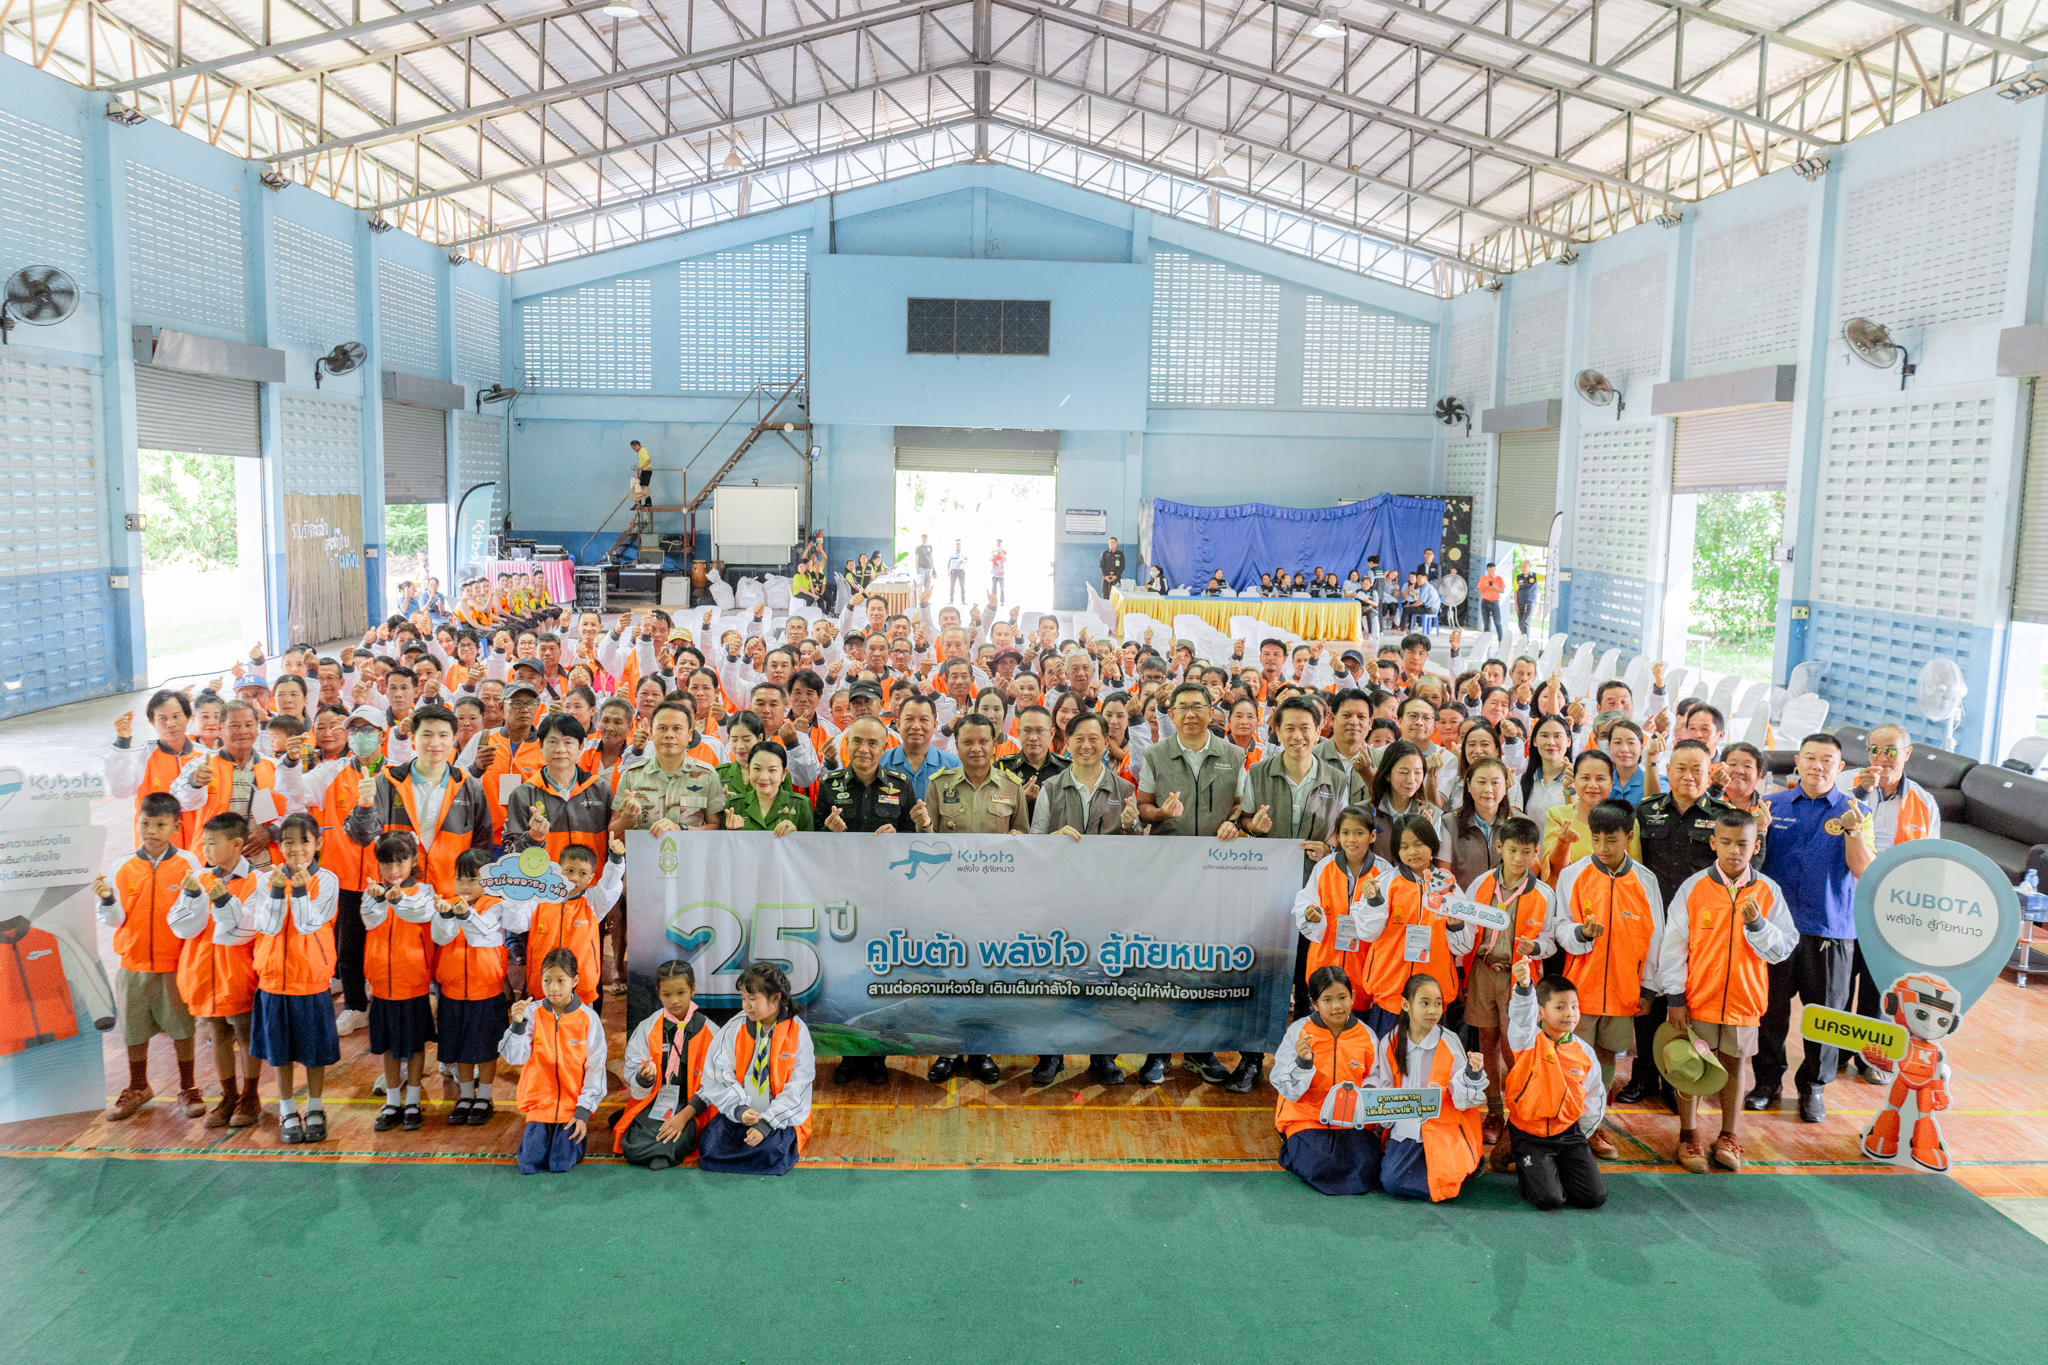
(416, 544)
(1512, 559)
(982, 512)
(203, 598)
(1724, 589)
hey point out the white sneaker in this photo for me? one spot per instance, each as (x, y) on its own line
(349, 1021)
(448, 1070)
(377, 1086)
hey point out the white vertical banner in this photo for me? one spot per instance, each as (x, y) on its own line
(55, 997)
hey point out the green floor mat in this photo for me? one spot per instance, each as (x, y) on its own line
(216, 1262)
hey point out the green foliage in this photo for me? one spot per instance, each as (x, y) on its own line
(1734, 573)
(405, 529)
(189, 505)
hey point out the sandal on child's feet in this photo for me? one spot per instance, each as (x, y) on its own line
(413, 1118)
(292, 1129)
(460, 1114)
(387, 1118)
(316, 1126)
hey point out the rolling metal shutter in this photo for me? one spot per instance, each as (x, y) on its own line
(2030, 563)
(415, 454)
(978, 461)
(197, 413)
(1527, 484)
(1728, 452)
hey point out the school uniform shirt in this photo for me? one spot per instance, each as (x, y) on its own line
(561, 1059)
(216, 966)
(398, 947)
(294, 931)
(1805, 856)
(1333, 889)
(1554, 1083)
(574, 924)
(1714, 964)
(1614, 971)
(738, 1077)
(1351, 1054)
(469, 952)
(144, 890)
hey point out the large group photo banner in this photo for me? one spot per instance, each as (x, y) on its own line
(978, 943)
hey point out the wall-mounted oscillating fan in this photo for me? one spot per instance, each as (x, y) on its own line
(1594, 388)
(1871, 343)
(1940, 696)
(40, 295)
(1451, 411)
(346, 358)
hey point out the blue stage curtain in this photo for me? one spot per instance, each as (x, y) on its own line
(1250, 539)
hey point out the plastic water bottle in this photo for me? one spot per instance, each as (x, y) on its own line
(2033, 905)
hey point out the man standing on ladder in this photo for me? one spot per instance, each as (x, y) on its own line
(643, 464)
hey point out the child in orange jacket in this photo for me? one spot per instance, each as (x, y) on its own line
(292, 915)
(135, 905)
(664, 1069)
(558, 1044)
(572, 922)
(217, 965)
(1320, 1052)
(1430, 1158)
(469, 968)
(398, 963)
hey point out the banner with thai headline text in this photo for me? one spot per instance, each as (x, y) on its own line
(978, 943)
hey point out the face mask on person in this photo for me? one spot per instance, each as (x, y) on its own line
(366, 743)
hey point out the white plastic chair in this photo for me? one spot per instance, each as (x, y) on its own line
(1751, 699)
(2031, 750)
(1578, 674)
(1100, 608)
(1636, 673)
(1605, 668)
(1674, 681)
(1699, 687)
(1750, 729)
(1806, 677)
(1804, 715)
(1722, 698)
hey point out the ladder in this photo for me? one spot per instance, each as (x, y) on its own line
(769, 422)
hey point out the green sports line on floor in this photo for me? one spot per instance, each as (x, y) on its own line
(195, 1260)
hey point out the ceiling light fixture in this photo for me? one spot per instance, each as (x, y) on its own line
(2029, 83)
(622, 9)
(1217, 170)
(1669, 218)
(1812, 167)
(273, 179)
(732, 157)
(1326, 23)
(379, 223)
(127, 115)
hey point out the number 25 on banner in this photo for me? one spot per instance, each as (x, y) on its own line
(720, 942)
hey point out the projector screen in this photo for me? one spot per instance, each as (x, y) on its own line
(754, 519)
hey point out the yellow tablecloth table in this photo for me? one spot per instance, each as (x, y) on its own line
(1312, 618)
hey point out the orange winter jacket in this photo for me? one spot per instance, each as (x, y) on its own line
(1613, 970)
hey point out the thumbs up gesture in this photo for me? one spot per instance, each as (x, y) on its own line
(1521, 971)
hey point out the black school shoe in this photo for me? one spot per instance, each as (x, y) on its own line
(316, 1126)
(1048, 1069)
(459, 1115)
(941, 1070)
(387, 1118)
(1104, 1069)
(983, 1069)
(480, 1113)
(412, 1118)
(878, 1070)
(1246, 1076)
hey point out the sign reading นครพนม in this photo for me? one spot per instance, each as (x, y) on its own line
(1936, 922)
